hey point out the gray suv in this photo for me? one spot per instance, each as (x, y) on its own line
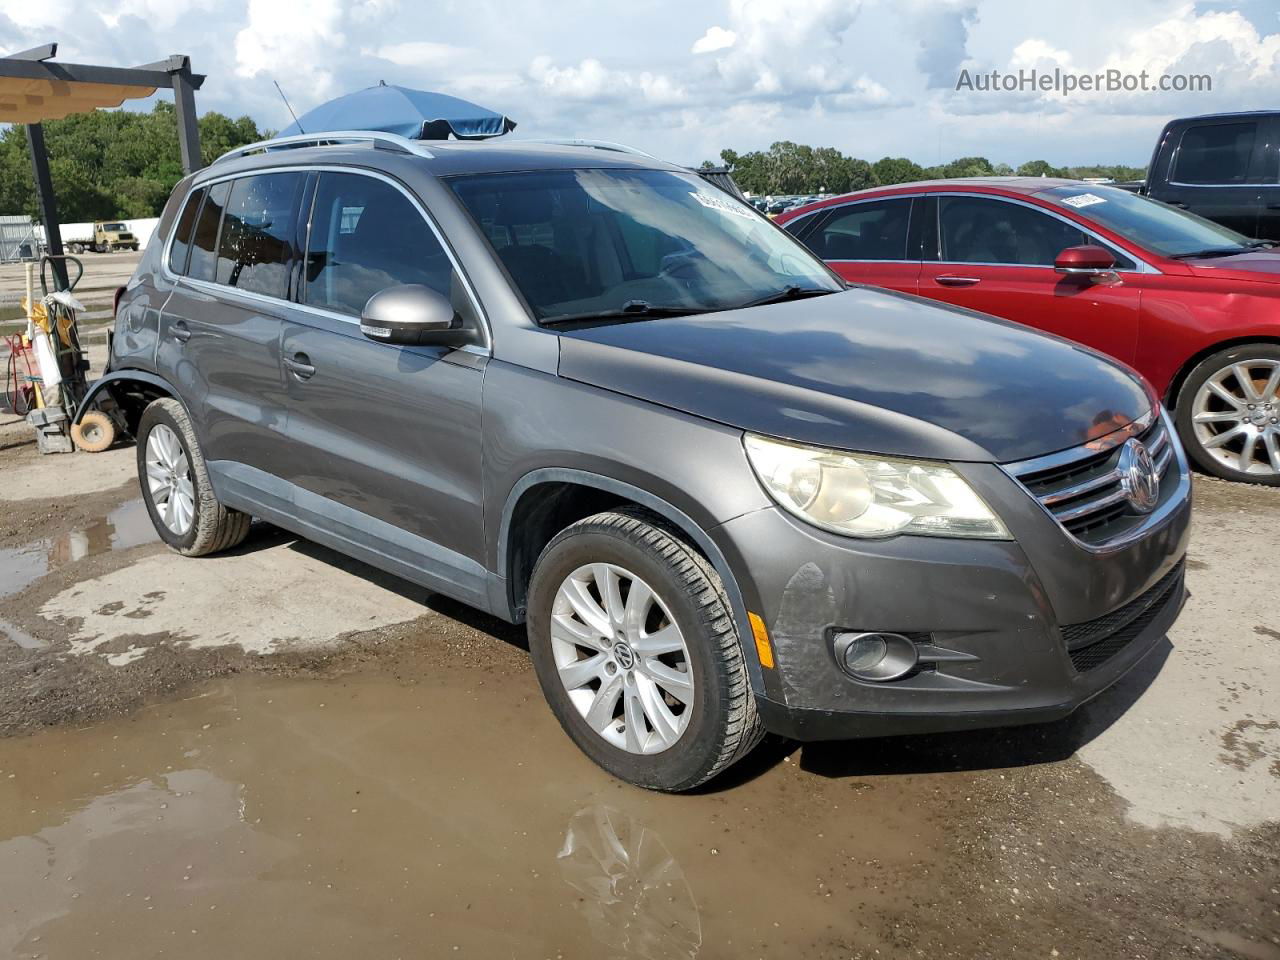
(587, 390)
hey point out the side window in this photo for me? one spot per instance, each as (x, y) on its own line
(366, 236)
(874, 230)
(255, 250)
(181, 245)
(980, 230)
(1215, 153)
(204, 240)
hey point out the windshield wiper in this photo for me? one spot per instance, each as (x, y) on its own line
(793, 292)
(1219, 251)
(631, 310)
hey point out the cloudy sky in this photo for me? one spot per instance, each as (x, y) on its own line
(684, 79)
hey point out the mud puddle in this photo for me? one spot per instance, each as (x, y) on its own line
(277, 818)
(127, 525)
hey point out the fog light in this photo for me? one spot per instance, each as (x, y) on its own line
(875, 657)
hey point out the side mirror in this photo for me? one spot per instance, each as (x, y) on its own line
(1086, 260)
(412, 315)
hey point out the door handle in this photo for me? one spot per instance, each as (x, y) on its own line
(180, 331)
(949, 280)
(300, 365)
(1179, 204)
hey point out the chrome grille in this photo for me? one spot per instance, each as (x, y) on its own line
(1081, 488)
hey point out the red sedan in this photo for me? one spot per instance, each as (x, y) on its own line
(1193, 306)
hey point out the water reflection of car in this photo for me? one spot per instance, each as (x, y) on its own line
(1192, 305)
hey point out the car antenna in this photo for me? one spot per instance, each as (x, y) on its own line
(288, 106)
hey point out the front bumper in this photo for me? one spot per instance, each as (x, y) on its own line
(999, 606)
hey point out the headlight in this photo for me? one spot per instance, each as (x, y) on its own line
(864, 495)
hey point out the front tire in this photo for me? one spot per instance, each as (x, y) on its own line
(176, 488)
(1228, 414)
(637, 653)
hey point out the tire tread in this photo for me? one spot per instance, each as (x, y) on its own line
(742, 729)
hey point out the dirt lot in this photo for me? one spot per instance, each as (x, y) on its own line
(281, 752)
(103, 273)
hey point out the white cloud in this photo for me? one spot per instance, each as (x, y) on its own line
(295, 39)
(592, 80)
(423, 53)
(716, 38)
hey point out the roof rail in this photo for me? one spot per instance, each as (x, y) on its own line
(592, 144)
(329, 138)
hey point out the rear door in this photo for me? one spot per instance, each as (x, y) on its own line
(1269, 212)
(220, 329)
(996, 255)
(385, 440)
(1216, 169)
(873, 241)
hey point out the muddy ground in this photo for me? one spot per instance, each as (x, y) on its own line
(281, 752)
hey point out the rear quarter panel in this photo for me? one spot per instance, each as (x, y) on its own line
(137, 323)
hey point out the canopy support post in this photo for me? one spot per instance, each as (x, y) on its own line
(184, 102)
(48, 204)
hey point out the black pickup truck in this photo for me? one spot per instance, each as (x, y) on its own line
(1224, 167)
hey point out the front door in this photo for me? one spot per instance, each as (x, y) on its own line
(385, 439)
(996, 256)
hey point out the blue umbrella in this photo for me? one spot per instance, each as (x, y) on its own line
(416, 114)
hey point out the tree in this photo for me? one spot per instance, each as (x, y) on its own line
(1038, 168)
(111, 164)
(890, 170)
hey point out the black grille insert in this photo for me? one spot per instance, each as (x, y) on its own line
(1094, 642)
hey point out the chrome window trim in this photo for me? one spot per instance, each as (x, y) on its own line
(1143, 267)
(211, 286)
(1220, 186)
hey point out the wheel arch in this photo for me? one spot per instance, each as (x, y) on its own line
(1184, 371)
(545, 501)
(131, 390)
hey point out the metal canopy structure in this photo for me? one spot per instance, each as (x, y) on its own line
(34, 89)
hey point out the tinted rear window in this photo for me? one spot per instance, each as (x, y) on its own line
(182, 233)
(256, 247)
(1215, 153)
(204, 240)
(873, 230)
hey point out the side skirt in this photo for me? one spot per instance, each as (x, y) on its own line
(355, 534)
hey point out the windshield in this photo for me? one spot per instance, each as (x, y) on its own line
(580, 243)
(113, 226)
(1148, 223)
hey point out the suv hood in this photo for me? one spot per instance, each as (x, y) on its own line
(867, 370)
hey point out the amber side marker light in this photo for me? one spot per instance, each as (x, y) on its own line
(763, 649)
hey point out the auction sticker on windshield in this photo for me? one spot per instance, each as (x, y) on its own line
(724, 206)
(1083, 200)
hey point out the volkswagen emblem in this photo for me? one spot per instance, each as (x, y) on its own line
(1138, 477)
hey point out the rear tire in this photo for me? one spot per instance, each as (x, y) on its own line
(715, 712)
(176, 488)
(1228, 414)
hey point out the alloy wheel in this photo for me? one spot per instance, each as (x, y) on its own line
(622, 658)
(1236, 416)
(169, 480)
